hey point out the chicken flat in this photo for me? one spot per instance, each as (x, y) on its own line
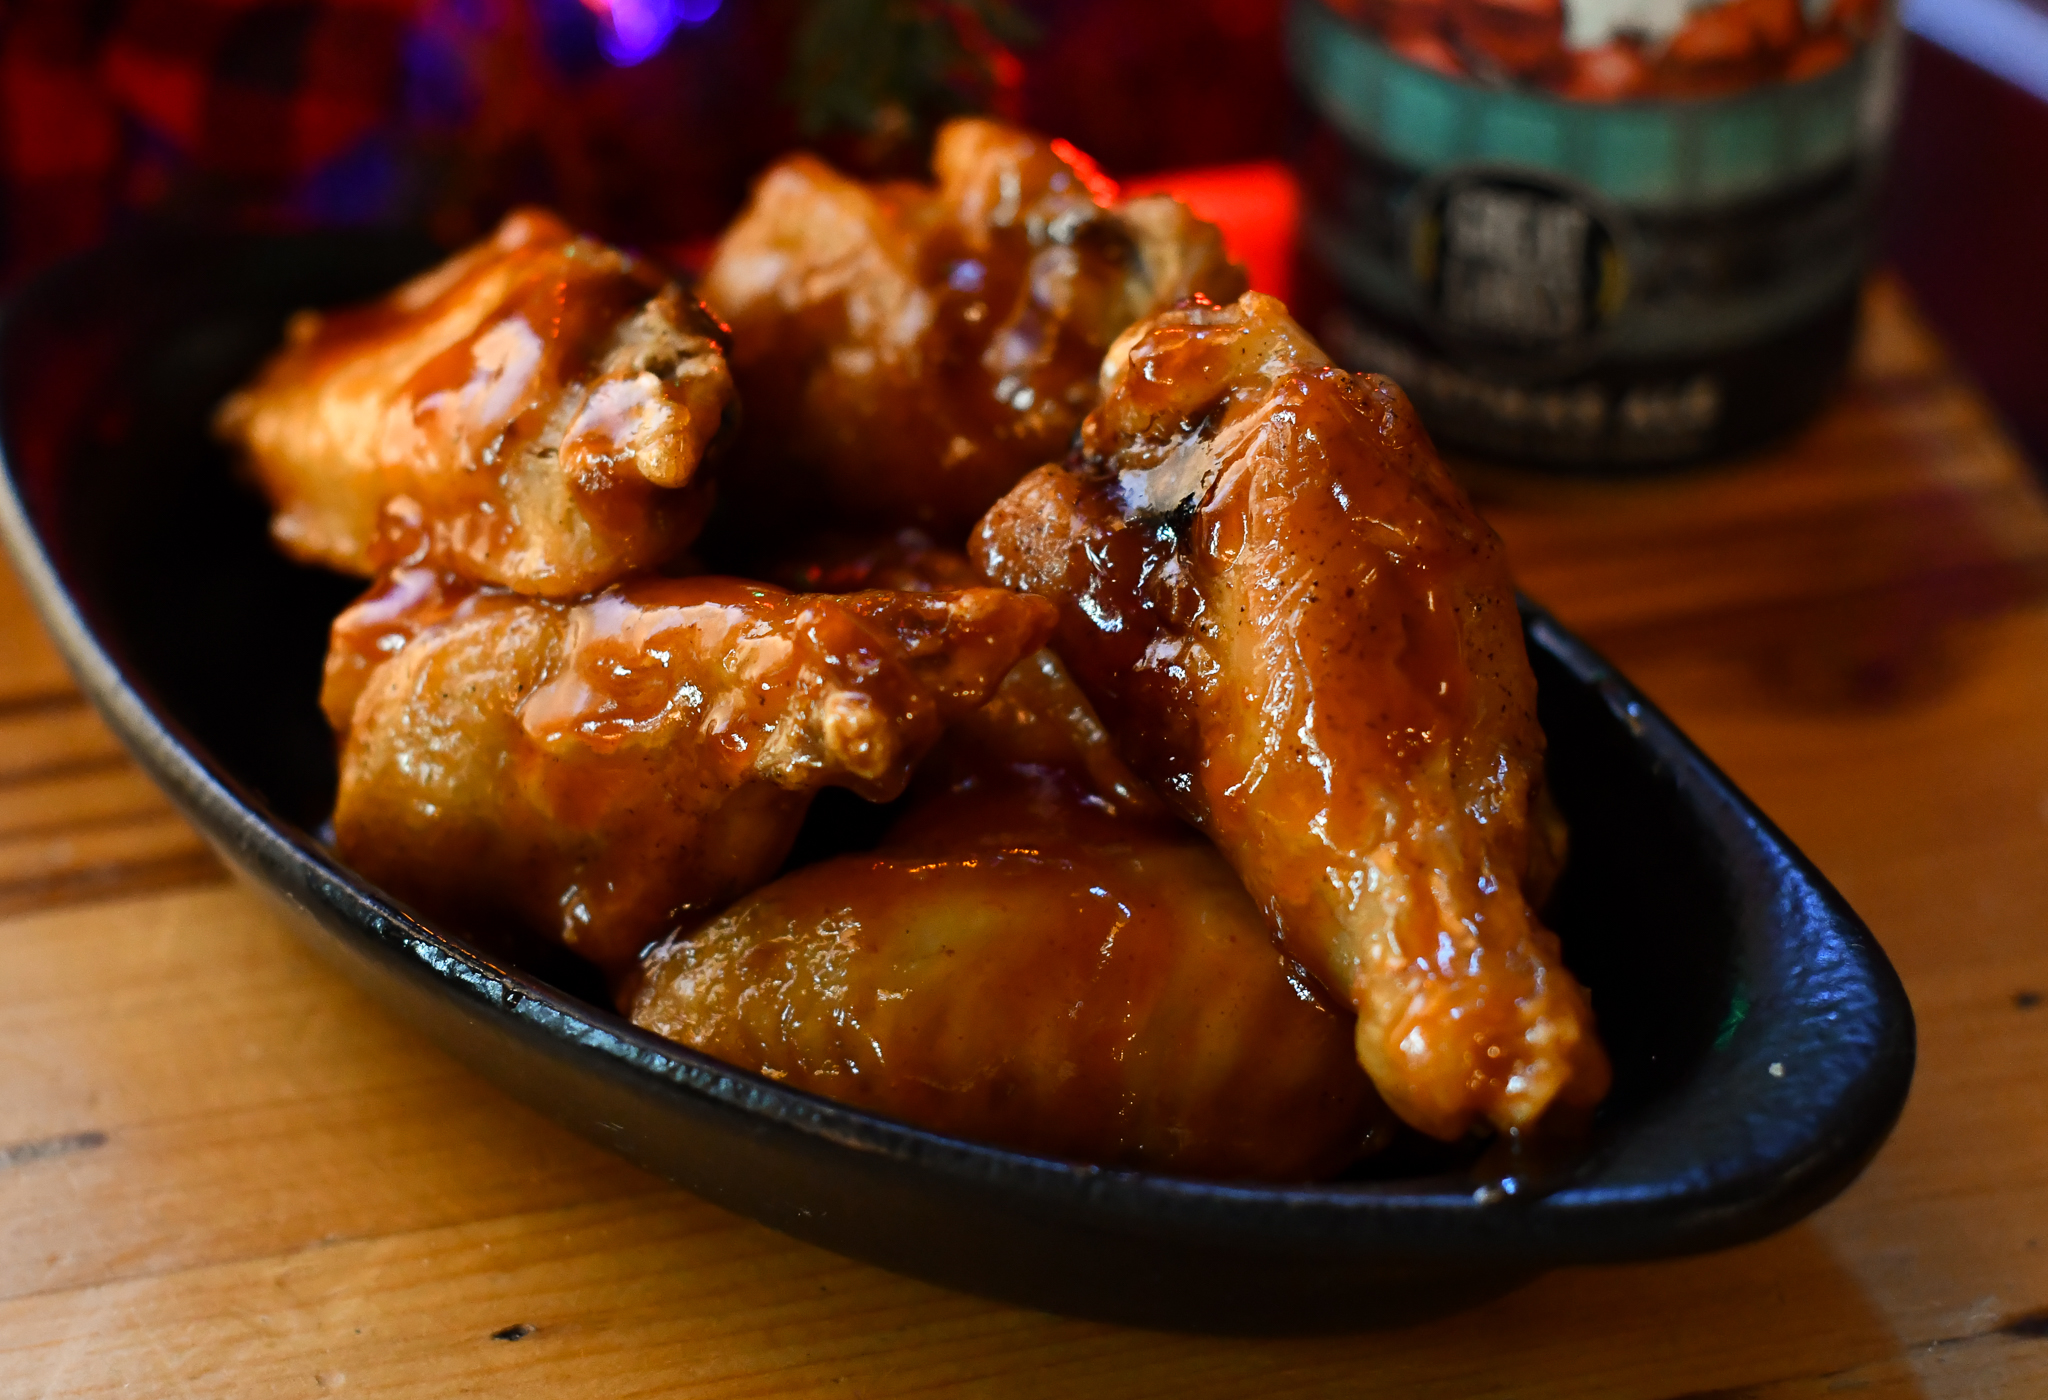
(926, 346)
(1303, 635)
(596, 771)
(533, 413)
(1034, 958)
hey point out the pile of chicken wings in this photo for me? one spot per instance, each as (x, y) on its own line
(1215, 827)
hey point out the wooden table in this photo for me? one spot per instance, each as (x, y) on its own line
(223, 1173)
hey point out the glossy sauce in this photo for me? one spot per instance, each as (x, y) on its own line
(1038, 722)
(1026, 965)
(598, 770)
(924, 346)
(531, 414)
(1304, 636)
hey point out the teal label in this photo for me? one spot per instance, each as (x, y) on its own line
(1666, 154)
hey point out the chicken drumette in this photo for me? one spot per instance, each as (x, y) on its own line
(924, 347)
(596, 771)
(1304, 636)
(532, 413)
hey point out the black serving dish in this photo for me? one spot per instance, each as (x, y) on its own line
(1763, 1045)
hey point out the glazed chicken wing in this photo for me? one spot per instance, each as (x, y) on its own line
(595, 771)
(926, 346)
(1305, 637)
(1027, 964)
(532, 413)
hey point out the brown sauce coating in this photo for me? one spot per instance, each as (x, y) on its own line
(533, 413)
(1038, 722)
(924, 346)
(1027, 964)
(596, 771)
(1285, 625)
(1302, 634)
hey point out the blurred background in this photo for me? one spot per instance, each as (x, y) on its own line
(644, 120)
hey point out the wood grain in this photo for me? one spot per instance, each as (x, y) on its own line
(224, 1174)
(78, 821)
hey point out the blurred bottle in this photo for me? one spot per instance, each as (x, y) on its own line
(1603, 235)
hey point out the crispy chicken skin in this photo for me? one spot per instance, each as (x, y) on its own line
(925, 346)
(1032, 961)
(1304, 636)
(597, 770)
(532, 413)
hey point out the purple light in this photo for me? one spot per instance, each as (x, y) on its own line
(635, 30)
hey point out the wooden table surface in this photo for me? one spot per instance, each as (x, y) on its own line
(222, 1172)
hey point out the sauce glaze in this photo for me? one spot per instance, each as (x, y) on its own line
(595, 771)
(1304, 636)
(533, 413)
(1037, 959)
(924, 346)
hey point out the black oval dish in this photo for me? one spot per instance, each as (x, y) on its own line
(1763, 1045)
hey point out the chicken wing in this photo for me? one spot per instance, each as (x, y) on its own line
(1303, 635)
(927, 346)
(597, 770)
(533, 413)
(1023, 966)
